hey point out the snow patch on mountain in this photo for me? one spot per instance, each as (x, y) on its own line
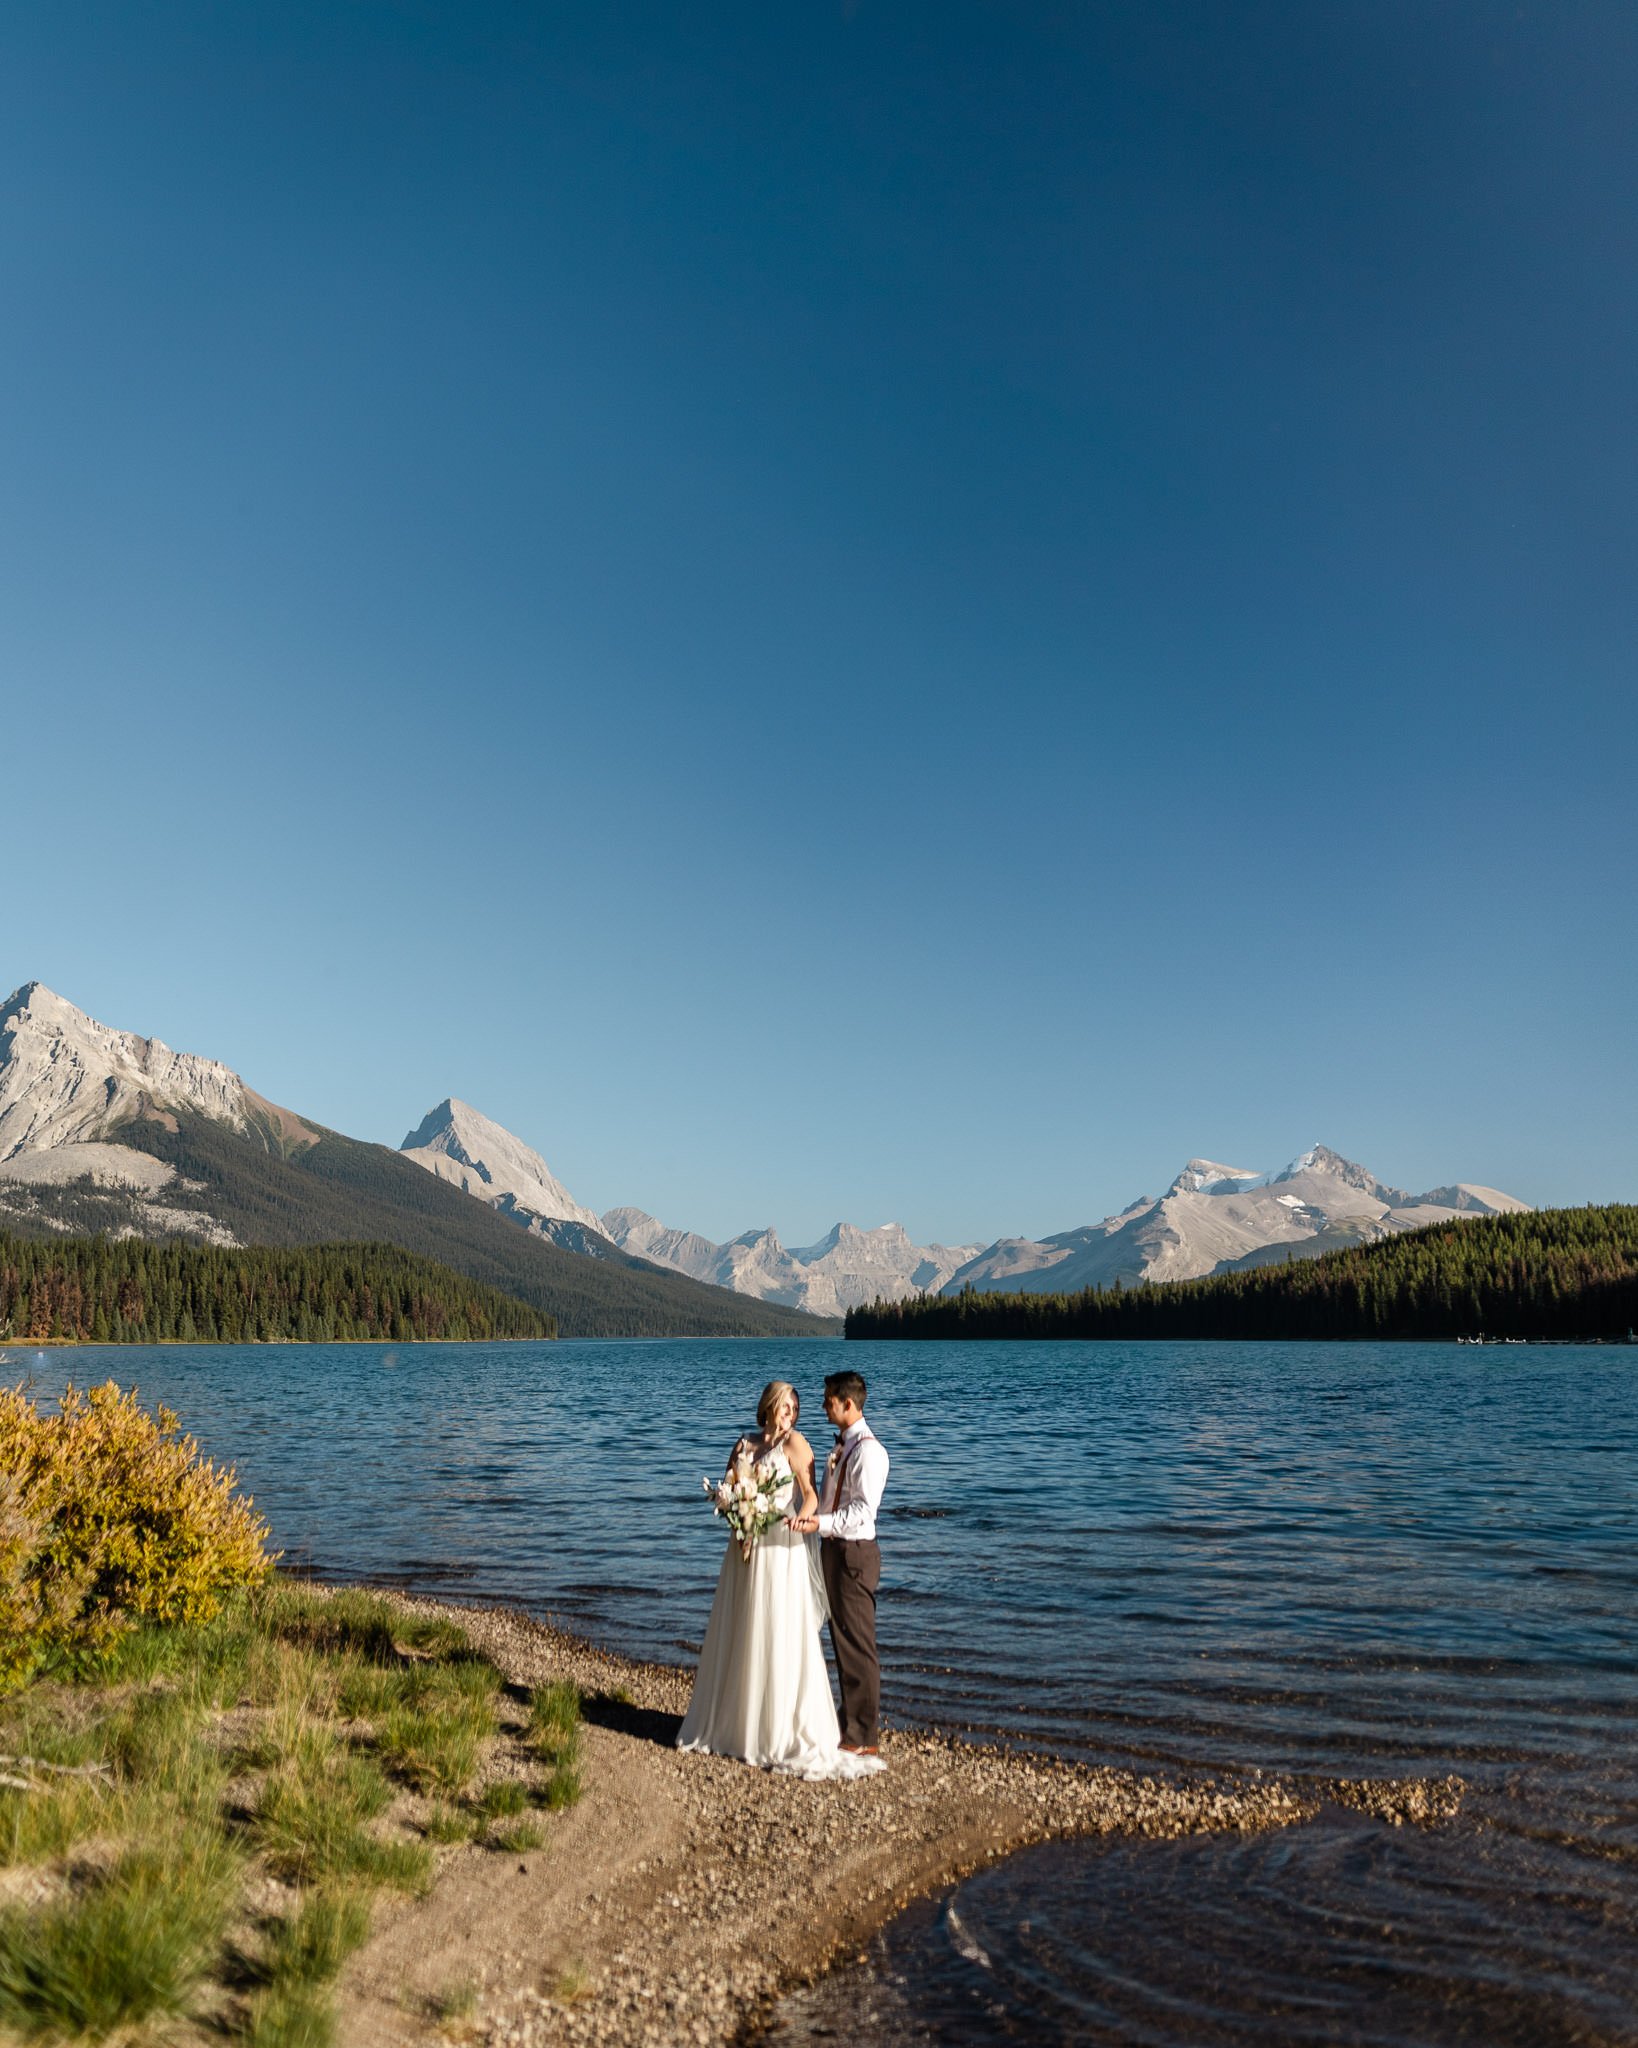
(1208, 1177)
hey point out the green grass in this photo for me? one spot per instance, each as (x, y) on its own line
(431, 1750)
(70, 1801)
(311, 1946)
(332, 1698)
(290, 2016)
(514, 1837)
(505, 1798)
(133, 1945)
(563, 1787)
(209, 1657)
(353, 1620)
(310, 1820)
(445, 1823)
(554, 1736)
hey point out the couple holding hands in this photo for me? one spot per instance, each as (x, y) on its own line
(762, 1692)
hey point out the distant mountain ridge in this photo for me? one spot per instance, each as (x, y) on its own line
(1215, 1218)
(104, 1131)
(1212, 1218)
(846, 1268)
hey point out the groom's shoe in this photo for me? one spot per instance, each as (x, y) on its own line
(859, 1748)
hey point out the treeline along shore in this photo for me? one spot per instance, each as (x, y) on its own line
(1547, 1274)
(98, 1290)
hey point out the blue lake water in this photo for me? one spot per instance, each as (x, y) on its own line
(1342, 1559)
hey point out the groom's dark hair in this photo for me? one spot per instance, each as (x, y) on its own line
(846, 1386)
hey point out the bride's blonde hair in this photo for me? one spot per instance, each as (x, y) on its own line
(772, 1394)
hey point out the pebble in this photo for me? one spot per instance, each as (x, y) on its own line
(944, 1806)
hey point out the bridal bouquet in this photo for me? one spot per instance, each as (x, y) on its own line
(751, 1503)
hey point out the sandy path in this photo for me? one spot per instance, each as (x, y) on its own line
(683, 1893)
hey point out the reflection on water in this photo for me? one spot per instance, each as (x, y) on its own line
(1344, 1558)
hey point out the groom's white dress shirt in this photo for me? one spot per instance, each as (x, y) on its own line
(855, 1481)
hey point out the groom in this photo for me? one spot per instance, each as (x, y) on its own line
(855, 1480)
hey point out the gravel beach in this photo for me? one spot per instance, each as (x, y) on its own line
(684, 1894)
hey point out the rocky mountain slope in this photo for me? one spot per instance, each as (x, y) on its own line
(481, 1157)
(66, 1079)
(847, 1267)
(1214, 1218)
(205, 1157)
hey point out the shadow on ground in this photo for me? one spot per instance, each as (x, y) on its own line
(647, 1724)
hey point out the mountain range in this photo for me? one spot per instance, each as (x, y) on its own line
(846, 1267)
(1214, 1218)
(102, 1129)
(1211, 1219)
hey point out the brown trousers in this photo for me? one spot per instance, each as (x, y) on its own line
(853, 1571)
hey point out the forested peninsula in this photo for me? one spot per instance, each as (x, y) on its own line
(99, 1290)
(1547, 1274)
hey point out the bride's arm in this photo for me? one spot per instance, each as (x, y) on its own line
(800, 1454)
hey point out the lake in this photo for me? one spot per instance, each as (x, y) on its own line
(1342, 1559)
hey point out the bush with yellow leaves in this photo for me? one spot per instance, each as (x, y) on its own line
(109, 1515)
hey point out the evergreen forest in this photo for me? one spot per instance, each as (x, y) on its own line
(343, 1189)
(1564, 1274)
(98, 1290)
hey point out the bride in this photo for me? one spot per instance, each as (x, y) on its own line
(762, 1691)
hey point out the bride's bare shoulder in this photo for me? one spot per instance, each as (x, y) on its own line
(798, 1447)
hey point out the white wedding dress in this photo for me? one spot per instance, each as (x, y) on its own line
(762, 1691)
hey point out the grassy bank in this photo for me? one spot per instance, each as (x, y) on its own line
(196, 1819)
(208, 1775)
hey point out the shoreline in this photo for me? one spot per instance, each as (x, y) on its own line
(684, 1894)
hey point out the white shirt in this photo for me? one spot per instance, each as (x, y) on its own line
(855, 1480)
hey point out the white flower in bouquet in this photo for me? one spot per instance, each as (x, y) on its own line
(749, 1501)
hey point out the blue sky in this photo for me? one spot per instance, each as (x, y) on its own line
(863, 610)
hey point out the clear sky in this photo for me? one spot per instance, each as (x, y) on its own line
(871, 610)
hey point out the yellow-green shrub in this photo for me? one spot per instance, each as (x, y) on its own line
(109, 1515)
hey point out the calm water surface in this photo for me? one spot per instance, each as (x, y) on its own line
(1337, 1559)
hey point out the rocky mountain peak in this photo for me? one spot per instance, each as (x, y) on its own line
(65, 1079)
(762, 1239)
(1320, 1159)
(470, 1150)
(1211, 1177)
(616, 1221)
